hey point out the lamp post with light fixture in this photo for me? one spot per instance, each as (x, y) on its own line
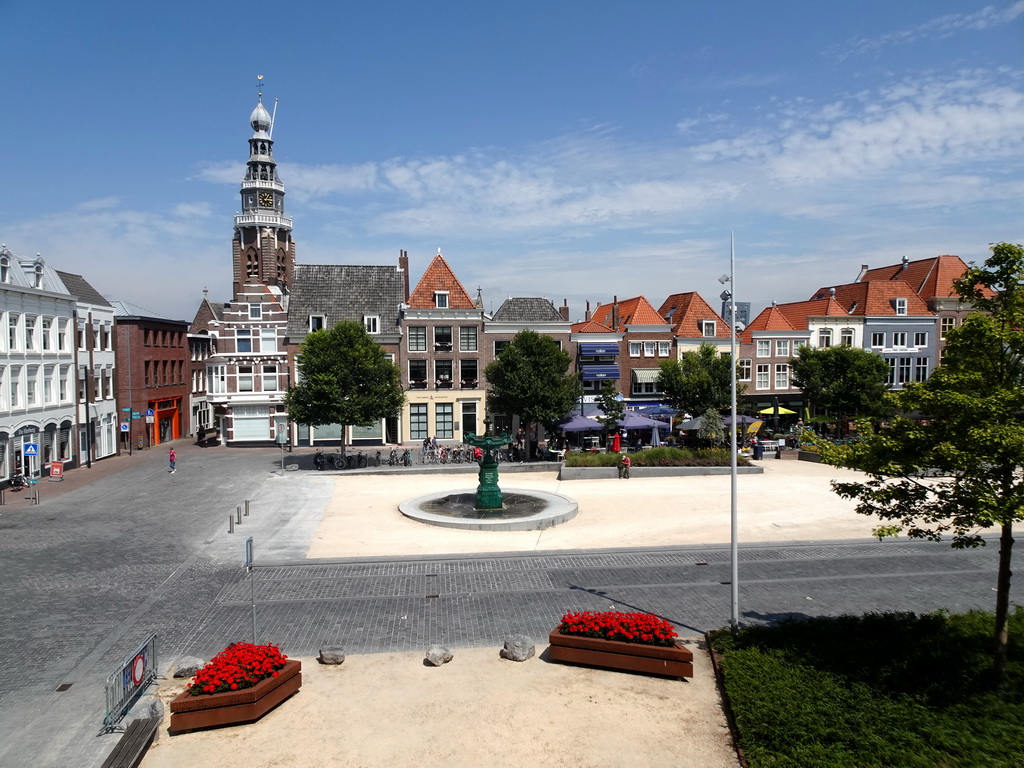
(730, 296)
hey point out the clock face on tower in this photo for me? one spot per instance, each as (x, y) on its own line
(266, 200)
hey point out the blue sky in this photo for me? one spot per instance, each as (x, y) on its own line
(563, 149)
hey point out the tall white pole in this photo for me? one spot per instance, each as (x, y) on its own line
(734, 518)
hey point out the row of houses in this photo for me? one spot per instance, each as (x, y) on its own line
(83, 378)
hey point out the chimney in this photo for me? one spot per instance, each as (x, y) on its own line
(403, 264)
(615, 313)
(586, 315)
(906, 261)
(564, 310)
(863, 271)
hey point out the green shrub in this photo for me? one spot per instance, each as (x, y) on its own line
(883, 689)
(665, 456)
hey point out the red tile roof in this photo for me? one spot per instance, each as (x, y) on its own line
(590, 326)
(929, 278)
(685, 312)
(440, 277)
(635, 311)
(770, 319)
(875, 297)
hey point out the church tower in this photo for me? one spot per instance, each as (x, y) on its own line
(263, 249)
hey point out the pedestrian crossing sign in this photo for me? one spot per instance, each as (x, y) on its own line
(31, 449)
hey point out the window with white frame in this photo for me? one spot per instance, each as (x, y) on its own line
(467, 338)
(782, 376)
(15, 386)
(245, 378)
(899, 339)
(649, 349)
(31, 385)
(743, 369)
(947, 325)
(763, 376)
(317, 322)
(782, 348)
(905, 368)
(764, 348)
(47, 330)
(846, 337)
(664, 348)
(418, 421)
(243, 341)
(217, 376)
(921, 369)
(39, 276)
(268, 341)
(269, 383)
(634, 349)
(97, 341)
(62, 335)
(5, 270)
(371, 323)
(80, 336)
(901, 306)
(48, 385)
(825, 337)
(877, 339)
(30, 333)
(442, 338)
(63, 384)
(707, 328)
(444, 414)
(441, 299)
(255, 311)
(891, 379)
(417, 338)
(921, 339)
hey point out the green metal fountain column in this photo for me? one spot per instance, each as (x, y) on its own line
(488, 494)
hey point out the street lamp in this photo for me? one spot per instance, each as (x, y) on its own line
(730, 295)
(88, 422)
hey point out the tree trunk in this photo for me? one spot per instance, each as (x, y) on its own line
(1002, 636)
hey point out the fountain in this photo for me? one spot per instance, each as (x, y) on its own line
(489, 509)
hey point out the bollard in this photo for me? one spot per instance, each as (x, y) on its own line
(246, 507)
(238, 515)
(231, 524)
(35, 496)
(3, 494)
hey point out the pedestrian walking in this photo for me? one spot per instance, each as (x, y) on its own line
(171, 458)
(624, 464)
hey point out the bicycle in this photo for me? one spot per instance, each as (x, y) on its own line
(376, 459)
(393, 459)
(407, 458)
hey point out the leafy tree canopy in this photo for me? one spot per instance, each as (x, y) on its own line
(700, 380)
(530, 378)
(850, 382)
(344, 378)
(956, 469)
(612, 408)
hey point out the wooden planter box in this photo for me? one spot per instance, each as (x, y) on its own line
(232, 707)
(676, 661)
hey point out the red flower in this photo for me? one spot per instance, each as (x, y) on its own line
(642, 628)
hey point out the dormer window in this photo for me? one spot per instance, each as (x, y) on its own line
(316, 322)
(707, 328)
(371, 323)
(901, 306)
(5, 270)
(39, 276)
(441, 299)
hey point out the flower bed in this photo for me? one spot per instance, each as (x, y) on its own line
(237, 667)
(627, 642)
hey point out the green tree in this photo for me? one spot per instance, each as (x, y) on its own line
(711, 430)
(344, 378)
(612, 408)
(957, 471)
(530, 379)
(700, 380)
(850, 382)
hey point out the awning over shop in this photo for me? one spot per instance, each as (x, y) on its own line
(646, 375)
(593, 348)
(600, 372)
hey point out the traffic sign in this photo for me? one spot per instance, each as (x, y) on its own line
(127, 410)
(31, 449)
(135, 414)
(124, 426)
(149, 412)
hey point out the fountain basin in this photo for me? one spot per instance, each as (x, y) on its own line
(523, 510)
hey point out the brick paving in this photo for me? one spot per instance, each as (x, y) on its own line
(125, 549)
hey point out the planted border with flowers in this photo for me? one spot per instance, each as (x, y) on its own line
(640, 628)
(237, 667)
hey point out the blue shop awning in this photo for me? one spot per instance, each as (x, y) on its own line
(593, 348)
(599, 372)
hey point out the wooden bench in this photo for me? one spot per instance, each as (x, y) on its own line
(133, 744)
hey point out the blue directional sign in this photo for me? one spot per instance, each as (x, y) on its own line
(31, 449)
(149, 411)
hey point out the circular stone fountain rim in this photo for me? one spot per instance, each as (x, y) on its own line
(559, 509)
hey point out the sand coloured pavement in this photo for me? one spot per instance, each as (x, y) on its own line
(391, 710)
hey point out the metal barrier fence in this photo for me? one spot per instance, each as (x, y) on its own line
(126, 684)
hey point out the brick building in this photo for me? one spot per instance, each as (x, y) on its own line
(153, 374)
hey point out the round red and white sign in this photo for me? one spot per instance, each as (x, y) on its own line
(138, 669)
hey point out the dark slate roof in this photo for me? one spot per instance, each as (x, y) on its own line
(79, 287)
(527, 310)
(344, 292)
